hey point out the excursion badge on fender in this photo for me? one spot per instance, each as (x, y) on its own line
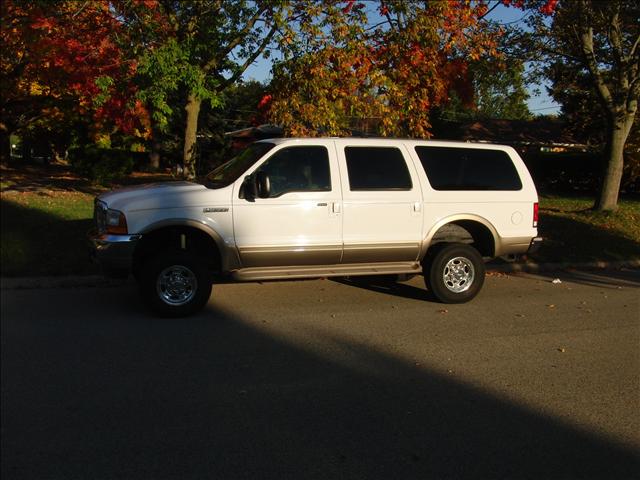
(214, 210)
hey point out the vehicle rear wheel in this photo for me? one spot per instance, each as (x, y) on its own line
(175, 284)
(454, 272)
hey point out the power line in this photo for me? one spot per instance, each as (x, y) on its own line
(545, 108)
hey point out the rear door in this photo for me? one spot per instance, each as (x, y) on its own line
(382, 203)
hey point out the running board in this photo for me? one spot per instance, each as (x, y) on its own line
(314, 271)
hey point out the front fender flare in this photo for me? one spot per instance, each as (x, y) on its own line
(229, 257)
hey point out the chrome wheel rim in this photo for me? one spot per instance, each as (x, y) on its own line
(458, 274)
(176, 285)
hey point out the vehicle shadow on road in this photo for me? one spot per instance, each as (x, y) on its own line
(386, 284)
(97, 388)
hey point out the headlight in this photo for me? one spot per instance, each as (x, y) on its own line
(116, 222)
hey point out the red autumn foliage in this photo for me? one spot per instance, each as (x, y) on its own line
(62, 53)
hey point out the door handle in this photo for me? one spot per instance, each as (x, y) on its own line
(417, 206)
(335, 207)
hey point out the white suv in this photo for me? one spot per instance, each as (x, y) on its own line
(319, 207)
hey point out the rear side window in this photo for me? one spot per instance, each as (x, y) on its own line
(377, 168)
(468, 169)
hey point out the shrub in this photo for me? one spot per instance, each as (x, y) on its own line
(103, 165)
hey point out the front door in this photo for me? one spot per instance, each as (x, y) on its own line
(300, 222)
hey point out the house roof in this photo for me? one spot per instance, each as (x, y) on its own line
(262, 131)
(540, 131)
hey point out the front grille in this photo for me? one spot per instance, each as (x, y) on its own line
(100, 216)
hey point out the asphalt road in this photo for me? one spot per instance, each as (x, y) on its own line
(326, 379)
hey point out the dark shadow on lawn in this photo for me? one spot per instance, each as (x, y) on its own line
(95, 388)
(568, 240)
(36, 243)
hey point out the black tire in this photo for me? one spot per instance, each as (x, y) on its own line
(454, 272)
(175, 284)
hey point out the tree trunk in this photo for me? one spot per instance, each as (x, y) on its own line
(5, 147)
(190, 132)
(614, 158)
(154, 157)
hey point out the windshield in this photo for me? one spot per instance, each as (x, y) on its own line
(230, 171)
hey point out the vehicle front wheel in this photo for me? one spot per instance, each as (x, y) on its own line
(175, 284)
(454, 272)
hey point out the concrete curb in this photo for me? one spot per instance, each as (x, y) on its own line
(29, 283)
(531, 267)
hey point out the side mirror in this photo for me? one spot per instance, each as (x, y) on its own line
(263, 185)
(249, 188)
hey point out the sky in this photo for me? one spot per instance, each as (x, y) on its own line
(540, 104)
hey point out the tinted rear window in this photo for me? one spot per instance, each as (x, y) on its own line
(377, 168)
(468, 169)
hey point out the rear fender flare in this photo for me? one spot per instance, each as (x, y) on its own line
(426, 242)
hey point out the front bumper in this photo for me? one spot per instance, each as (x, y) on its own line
(114, 253)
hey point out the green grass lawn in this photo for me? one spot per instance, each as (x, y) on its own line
(44, 232)
(575, 233)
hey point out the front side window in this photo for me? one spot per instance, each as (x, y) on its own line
(298, 169)
(377, 168)
(449, 168)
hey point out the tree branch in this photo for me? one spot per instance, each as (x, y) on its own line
(617, 50)
(634, 48)
(497, 4)
(586, 40)
(249, 60)
(80, 10)
(214, 62)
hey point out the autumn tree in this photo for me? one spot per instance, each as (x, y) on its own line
(62, 60)
(600, 42)
(394, 68)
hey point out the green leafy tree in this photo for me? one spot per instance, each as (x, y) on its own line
(587, 120)
(198, 49)
(498, 91)
(600, 40)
